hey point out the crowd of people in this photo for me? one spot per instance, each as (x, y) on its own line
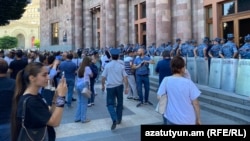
(122, 70)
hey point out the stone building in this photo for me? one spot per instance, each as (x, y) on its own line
(69, 25)
(27, 28)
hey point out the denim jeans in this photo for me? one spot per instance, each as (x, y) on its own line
(142, 79)
(71, 84)
(5, 132)
(115, 102)
(92, 89)
(82, 104)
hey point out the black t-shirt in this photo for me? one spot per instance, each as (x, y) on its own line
(37, 113)
(16, 66)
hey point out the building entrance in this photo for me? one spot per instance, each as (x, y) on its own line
(243, 30)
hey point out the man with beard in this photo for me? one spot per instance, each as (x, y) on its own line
(141, 64)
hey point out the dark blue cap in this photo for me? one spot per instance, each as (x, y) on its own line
(230, 35)
(114, 51)
(247, 38)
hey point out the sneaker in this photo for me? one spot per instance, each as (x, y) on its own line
(89, 105)
(77, 120)
(149, 103)
(119, 122)
(139, 104)
(86, 121)
(129, 97)
(73, 99)
(136, 99)
(92, 104)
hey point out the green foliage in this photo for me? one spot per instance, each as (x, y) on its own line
(8, 42)
(37, 43)
(11, 10)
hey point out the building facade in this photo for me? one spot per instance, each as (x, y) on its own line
(69, 25)
(27, 28)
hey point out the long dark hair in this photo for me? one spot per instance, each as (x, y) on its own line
(22, 82)
(85, 62)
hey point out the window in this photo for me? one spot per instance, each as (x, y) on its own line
(48, 4)
(98, 23)
(243, 5)
(61, 1)
(143, 10)
(55, 3)
(54, 34)
(140, 23)
(228, 8)
(209, 22)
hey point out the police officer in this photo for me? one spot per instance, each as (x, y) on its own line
(244, 51)
(201, 50)
(168, 46)
(191, 48)
(184, 49)
(114, 75)
(229, 49)
(175, 48)
(214, 51)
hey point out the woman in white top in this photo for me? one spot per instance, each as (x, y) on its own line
(83, 80)
(182, 96)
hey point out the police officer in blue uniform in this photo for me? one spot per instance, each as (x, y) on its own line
(202, 48)
(160, 49)
(229, 49)
(184, 49)
(214, 51)
(175, 48)
(191, 48)
(244, 51)
(168, 46)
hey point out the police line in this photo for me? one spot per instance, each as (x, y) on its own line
(230, 75)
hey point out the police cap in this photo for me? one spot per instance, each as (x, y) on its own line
(230, 36)
(217, 40)
(114, 51)
(247, 38)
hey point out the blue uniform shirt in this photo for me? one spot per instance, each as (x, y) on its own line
(228, 49)
(244, 51)
(200, 49)
(215, 50)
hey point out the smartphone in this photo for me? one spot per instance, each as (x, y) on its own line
(63, 74)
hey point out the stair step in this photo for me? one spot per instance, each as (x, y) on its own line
(240, 108)
(221, 94)
(225, 113)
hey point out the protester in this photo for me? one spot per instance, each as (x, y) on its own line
(7, 88)
(83, 80)
(28, 82)
(182, 96)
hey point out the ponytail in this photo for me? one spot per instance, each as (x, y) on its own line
(19, 90)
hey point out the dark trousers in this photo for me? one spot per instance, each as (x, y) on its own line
(115, 102)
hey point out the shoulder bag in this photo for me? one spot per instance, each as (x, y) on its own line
(162, 104)
(85, 91)
(31, 134)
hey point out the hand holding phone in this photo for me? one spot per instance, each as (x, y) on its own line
(63, 74)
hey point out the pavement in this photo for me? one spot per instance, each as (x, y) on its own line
(98, 129)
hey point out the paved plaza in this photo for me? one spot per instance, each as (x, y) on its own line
(129, 130)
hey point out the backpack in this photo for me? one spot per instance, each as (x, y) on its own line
(94, 70)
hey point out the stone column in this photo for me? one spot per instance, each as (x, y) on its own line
(163, 21)
(151, 29)
(87, 27)
(103, 24)
(110, 23)
(78, 24)
(184, 19)
(123, 19)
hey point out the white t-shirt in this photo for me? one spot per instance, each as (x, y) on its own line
(180, 92)
(87, 74)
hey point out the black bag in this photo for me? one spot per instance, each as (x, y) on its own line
(31, 134)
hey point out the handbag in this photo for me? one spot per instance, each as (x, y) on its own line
(31, 134)
(162, 104)
(86, 92)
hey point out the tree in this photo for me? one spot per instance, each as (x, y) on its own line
(8, 42)
(37, 43)
(11, 10)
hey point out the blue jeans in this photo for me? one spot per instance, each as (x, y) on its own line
(92, 89)
(71, 84)
(115, 95)
(82, 104)
(142, 79)
(5, 132)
